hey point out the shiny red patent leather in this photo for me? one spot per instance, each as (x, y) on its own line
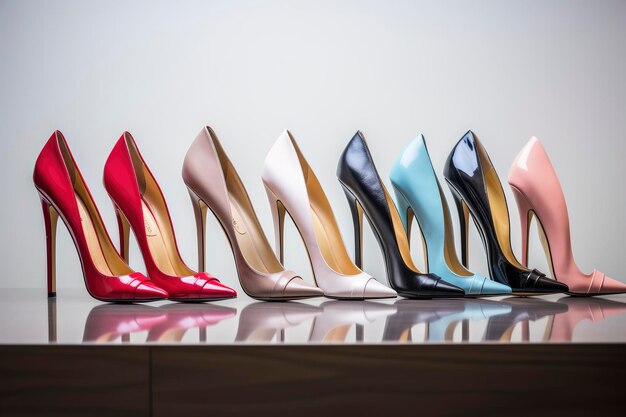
(58, 191)
(120, 181)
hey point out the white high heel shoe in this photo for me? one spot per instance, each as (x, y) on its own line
(292, 187)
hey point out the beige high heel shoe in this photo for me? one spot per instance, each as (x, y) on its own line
(214, 184)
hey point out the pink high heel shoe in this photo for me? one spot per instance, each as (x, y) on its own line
(538, 193)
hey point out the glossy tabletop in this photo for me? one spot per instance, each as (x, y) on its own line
(29, 317)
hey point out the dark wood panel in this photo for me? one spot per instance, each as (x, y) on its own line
(485, 380)
(362, 380)
(77, 381)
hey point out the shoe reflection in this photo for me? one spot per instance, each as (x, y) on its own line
(443, 329)
(523, 311)
(581, 309)
(440, 316)
(181, 317)
(333, 325)
(106, 323)
(263, 321)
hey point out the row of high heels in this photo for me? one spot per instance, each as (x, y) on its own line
(477, 191)
(293, 189)
(334, 320)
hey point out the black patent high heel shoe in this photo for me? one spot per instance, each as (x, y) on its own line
(477, 191)
(367, 194)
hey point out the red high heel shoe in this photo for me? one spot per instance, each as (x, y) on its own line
(64, 194)
(139, 203)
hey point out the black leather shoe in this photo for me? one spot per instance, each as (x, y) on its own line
(477, 190)
(367, 194)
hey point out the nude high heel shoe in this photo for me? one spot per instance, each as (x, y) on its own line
(214, 184)
(293, 188)
(538, 193)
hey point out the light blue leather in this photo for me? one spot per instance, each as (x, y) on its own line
(416, 186)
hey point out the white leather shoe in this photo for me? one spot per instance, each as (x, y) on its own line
(293, 188)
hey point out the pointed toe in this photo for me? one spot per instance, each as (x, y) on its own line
(549, 286)
(149, 291)
(443, 289)
(374, 289)
(612, 286)
(215, 289)
(490, 287)
(299, 288)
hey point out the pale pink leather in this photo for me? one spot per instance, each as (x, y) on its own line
(283, 177)
(536, 187)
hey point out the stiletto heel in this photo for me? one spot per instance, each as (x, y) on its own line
(416, 185)
(123, 228)
(278, 217)
(64, 194)
(292, 181)
(215, 185)
(463, 212)
(525, 217)
(539, 194)
(357, 220)
(199, 212)
(141, 206)
(474, 181)
(365, 191)
(51, 217)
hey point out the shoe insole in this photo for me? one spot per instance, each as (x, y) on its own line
(449, 251)
(158, 245)
(327, 246)
(91, 236)
(398, 229)
(326, 230)
(252, 244)
(499, 210)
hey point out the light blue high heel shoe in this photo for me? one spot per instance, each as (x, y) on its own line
(419, 195)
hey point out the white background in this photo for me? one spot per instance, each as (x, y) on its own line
(505, 69)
